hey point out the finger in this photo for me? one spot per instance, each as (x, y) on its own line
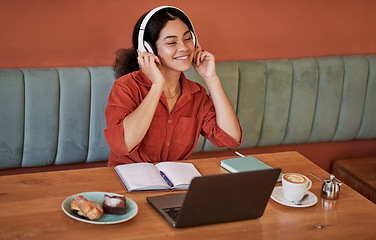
(203, 55)
(152, 59)
(200, 57)
(194, 61)
(143, 56)
(140, 61)
(197, 56)
(157, 60)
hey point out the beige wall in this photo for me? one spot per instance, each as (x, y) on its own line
(52, 33)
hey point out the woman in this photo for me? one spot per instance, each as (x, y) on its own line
(154, 113)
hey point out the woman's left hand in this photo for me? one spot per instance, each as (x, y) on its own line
(204, 63)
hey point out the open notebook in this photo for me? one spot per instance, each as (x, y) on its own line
(161, 176)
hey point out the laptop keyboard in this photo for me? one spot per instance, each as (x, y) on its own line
(173, 212)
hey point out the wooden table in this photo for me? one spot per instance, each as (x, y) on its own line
(30, 208)
(359, 174)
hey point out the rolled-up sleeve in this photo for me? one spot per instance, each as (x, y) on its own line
(115, 139)
(120, 104)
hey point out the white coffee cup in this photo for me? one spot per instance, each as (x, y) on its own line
(295, 186)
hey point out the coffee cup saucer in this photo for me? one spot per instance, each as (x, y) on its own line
(277, 195)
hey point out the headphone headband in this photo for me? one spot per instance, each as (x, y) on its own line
(143, 46)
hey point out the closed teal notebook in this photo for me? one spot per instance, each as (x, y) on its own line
(243, 164)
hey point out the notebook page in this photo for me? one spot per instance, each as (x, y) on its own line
(180, 174)
(141, 176)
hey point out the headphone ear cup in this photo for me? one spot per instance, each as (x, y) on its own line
(148, 47)
(194, 38)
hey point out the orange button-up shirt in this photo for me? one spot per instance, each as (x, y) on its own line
(171, 136)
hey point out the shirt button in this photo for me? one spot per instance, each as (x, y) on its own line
(167, 144)
(170, 121)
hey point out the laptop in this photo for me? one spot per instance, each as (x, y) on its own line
(218, 198)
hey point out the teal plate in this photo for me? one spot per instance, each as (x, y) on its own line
(131, 208)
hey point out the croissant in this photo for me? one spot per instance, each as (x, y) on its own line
(86, 208)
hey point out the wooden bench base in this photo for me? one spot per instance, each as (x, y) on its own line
(359, 174)
(49, 168)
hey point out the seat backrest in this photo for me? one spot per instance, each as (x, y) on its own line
(56, 115)
(293, 101)
(53, 116)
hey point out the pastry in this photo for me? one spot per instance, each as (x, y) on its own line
(86, 208)
(114, 204)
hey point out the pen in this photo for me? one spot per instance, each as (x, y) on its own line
(166, 179)
(239, 154)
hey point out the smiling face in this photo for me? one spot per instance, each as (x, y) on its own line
(175, 47)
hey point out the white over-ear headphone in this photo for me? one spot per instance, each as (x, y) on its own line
(143, 46)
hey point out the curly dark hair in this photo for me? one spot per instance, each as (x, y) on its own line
(126, 59)
(125, 62)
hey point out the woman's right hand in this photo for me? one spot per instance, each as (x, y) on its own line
(150, 65)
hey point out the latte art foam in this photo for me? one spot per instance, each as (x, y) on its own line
(294, 178)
